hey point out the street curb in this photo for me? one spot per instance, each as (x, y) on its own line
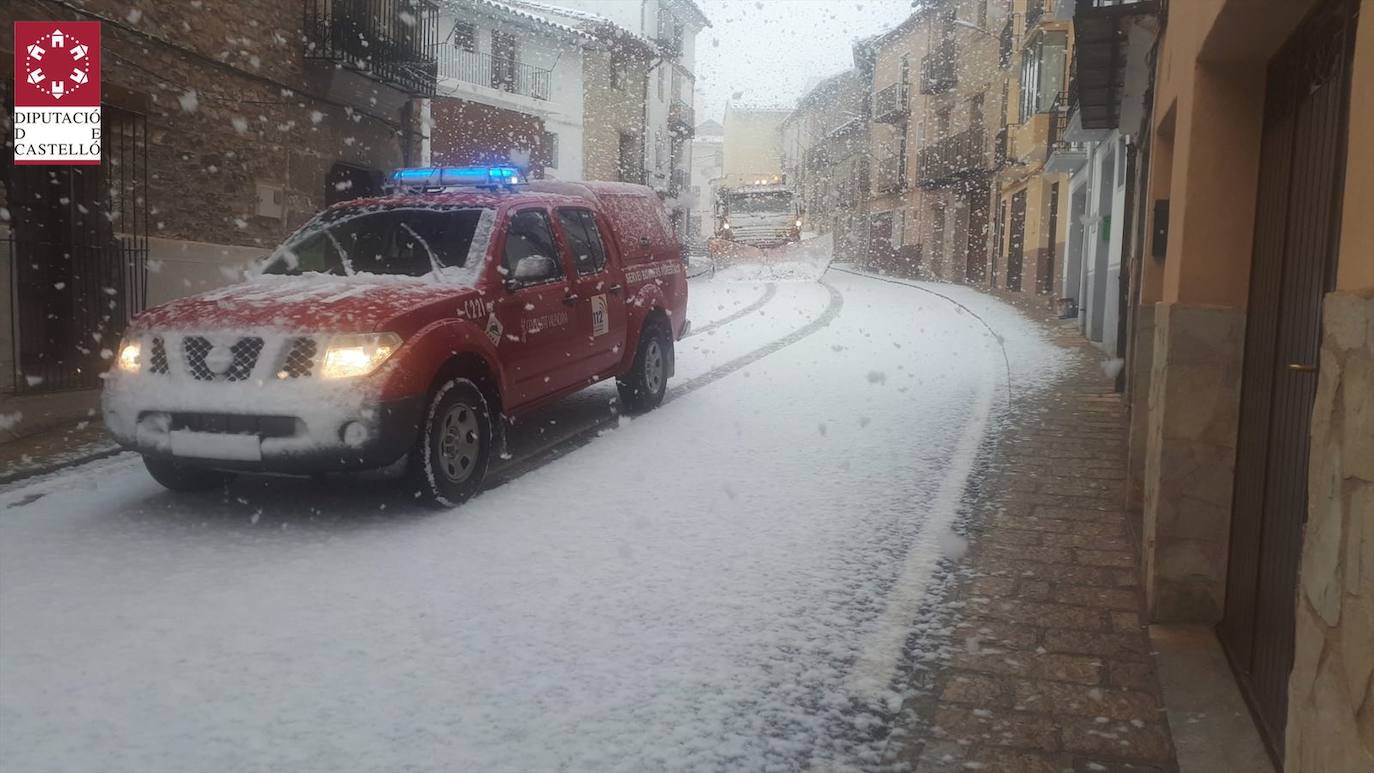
(33, 472)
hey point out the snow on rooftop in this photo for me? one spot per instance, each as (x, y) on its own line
(514, 10)
(583, 19)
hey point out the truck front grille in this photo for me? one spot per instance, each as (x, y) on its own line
(244, 358)
(300, 358)
(157, 358)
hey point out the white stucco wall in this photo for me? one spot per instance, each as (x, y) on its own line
(1099, 299)
(539, 47)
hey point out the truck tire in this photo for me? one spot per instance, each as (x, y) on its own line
(449, 460)
(178, 476)
(642, 389)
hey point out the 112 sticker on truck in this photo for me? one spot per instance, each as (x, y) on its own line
(601, 320)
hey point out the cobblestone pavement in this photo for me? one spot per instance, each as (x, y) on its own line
(1042, 662)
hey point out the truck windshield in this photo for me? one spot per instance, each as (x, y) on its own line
(406, 241)
(761, 202)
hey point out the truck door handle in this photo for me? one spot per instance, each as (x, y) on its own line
(570, 299)
(1302, 367)
(614, 289)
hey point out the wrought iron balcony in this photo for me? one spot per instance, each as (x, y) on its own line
(1062, 155)
(681, 118)
(508, 75)
(890, 104)
(938, 69)
(952, 159)
(1100, 57)
(392, 41)
(1006, 42)
(1035, 10)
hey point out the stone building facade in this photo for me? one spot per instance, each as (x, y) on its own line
(824, 143)
(235, 123)
(1035, 48)
(615, 80)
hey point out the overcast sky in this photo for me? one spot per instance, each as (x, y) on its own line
(766, 52)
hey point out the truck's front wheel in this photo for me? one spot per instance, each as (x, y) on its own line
(450, 457)
(642, 389)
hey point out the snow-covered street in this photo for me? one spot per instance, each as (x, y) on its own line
(725, 582)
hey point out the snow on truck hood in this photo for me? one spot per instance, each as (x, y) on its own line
(310, 302)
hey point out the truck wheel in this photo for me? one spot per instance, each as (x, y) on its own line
(643, 387)
(450, 456)
(177, 476)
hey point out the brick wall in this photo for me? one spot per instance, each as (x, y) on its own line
(231, 103)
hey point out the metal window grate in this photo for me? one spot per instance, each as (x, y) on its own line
(79, 242)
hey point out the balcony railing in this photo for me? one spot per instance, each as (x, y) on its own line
(1000, 149)
(890, 104)
(953, 158)
(670, 46)
(1061, 154)
(938, 70)
(888, 174)
(1100, 49)
(502, 74)
(681, 118)
(1035, 9)
(391, 41)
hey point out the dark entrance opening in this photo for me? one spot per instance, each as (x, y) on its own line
(1016, 249)
(79, 247)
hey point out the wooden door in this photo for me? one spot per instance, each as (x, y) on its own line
(1298, 211)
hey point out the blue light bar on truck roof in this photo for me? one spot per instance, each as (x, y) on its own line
(440, 177)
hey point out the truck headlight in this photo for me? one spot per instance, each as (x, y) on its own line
(725, 226)
(358, 355)
(130, 355)
(799, 222)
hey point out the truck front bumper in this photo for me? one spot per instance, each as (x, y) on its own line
(285, 438)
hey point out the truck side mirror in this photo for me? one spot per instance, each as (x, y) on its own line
(532, 269)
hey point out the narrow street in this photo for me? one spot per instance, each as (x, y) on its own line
(726, 582)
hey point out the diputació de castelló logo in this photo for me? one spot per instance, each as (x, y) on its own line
(57, 92)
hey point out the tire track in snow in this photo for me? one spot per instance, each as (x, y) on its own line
(870, 679)
(561, 447)
(769, 290)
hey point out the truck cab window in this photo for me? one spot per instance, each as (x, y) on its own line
(589, 254)
(528, 235)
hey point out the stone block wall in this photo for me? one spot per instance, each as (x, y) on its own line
(1138, 398)
(231, 103)
(1331, 687)
(1194, 408)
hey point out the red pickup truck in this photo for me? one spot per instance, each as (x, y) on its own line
(407, 327)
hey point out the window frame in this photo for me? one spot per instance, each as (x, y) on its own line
(591, 227)
(509, 276)
(465, 36)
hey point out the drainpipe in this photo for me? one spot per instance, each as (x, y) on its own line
(426, 130)
(1127, 248)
